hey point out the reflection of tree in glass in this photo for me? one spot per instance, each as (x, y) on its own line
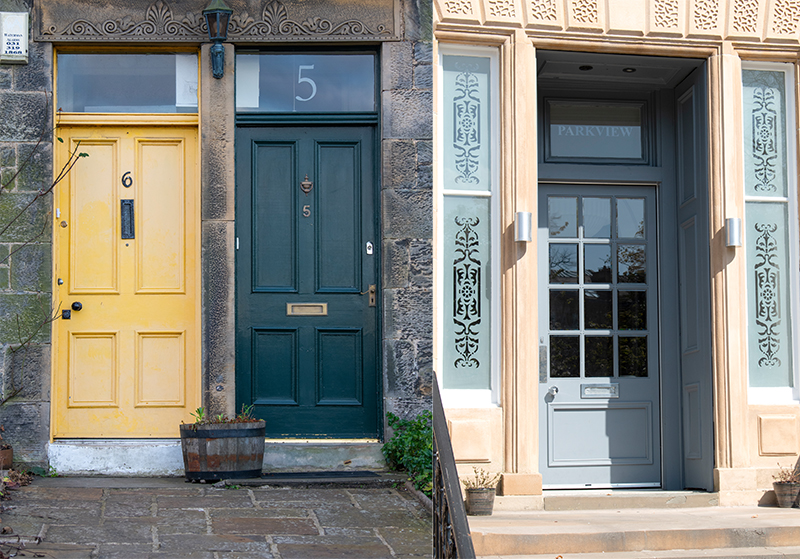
(631, 263)
(632, 310)
(563, 264)
(633, 357)
(554, 223)
(564, 356)
(599, 357)
(597, 309)
(563, 310)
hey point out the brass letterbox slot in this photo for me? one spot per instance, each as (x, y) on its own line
(306, 309)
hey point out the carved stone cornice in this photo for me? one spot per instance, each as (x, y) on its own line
(182, 21)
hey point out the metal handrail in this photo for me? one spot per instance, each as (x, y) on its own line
(451, 538)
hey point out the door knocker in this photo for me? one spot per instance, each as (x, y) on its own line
(306, 186)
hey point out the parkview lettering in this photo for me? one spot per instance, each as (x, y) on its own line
(596, 131)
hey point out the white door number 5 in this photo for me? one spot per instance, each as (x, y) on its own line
(301, 79)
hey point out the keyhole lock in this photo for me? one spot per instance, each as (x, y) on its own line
(370, 247)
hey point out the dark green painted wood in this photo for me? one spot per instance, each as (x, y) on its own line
(308, 376)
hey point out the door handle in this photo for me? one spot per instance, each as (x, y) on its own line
(552, 391)
(76, 306)
(372, 292)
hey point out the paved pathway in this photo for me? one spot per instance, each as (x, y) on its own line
(132, 518)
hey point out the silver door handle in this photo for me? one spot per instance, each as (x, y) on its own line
(552, 391)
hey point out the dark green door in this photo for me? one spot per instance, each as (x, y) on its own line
(307, 258)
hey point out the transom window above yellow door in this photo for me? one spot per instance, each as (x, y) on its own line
(127, 83)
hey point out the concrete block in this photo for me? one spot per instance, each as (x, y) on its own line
(27, 368)
(423, 52)
(397, 61)
(37, 172)
(418, 20)
(407, 114)
(154, 457)
(421, 264)
(408, 314)
(407, 214)
(5, 78)
(396, 263)
(24, 315)
(8, 155)
(31, 268)
(37, 74)
(25, 115)
(219, 350)
(27, 429)
(423, 76)
(399, 162)
(407, 408)
(30, 222)
(425, 152)
(320, 456)
(777, 435)
(403, 378)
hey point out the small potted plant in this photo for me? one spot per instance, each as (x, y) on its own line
(786, 486)
(480, 491)
(218, 447)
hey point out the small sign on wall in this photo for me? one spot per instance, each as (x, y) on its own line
(14, 36)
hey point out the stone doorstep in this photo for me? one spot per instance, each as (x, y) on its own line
(738, 552)
(162, 457)
(634, 530)
(605, 499)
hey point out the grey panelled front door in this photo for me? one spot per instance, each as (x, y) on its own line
(599, 389)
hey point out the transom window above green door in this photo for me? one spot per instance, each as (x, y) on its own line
(305, 83)
(599, 288)
(127, 83)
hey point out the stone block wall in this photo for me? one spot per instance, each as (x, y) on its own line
(407, 213)
(26, 169)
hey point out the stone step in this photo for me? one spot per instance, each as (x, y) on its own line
(162, 457)
(595, 499)
(736, 552)
(510, 533)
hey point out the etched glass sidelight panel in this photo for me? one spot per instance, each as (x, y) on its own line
(467, 293)
(769, 325)
(765, 152)
(467, 127)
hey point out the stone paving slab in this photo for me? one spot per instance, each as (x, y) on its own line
(731, 553)
(163, 518)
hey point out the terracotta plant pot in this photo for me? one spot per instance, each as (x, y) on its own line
(480, 501)
(6, 457)
(786, 493)
(223, 450)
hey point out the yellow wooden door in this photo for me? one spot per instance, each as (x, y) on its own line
(127, 250)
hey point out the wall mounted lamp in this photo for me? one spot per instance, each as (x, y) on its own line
(523, 231)
(217, 15)
(733, 232)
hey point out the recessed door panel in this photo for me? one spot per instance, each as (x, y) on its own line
(94, 215)
(160, 368)
(306, 280)
(94, 367)
(161, 227)
(274, 223)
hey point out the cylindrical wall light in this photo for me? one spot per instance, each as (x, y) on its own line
(522, 230)
(733, 232)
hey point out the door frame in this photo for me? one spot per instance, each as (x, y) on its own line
(133, 121)
(367, 119)
(266, 122)
(660, 173)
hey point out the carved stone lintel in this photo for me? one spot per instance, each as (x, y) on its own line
(182, 20)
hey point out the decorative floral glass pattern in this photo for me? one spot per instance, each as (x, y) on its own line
(467, 196)
(764, 133)
(770, 329)
(466, 122)
(767, 163)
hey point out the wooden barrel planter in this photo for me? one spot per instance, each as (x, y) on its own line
(213, 452)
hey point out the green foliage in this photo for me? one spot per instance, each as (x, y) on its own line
(482, 479)
(411, 449)
(244, 416)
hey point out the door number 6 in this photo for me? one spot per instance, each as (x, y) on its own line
(309, 81)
